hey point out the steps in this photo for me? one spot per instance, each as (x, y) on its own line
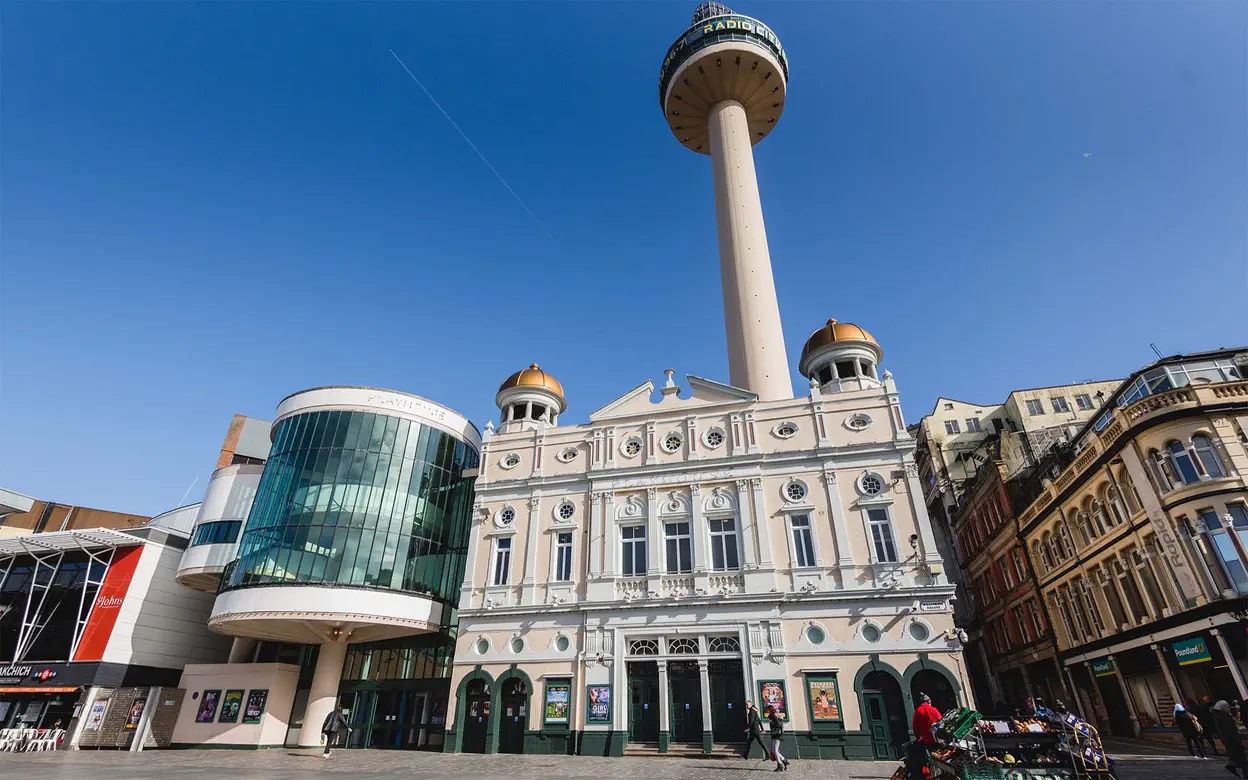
(651, 750)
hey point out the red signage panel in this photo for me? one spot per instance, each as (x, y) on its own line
(108, 604)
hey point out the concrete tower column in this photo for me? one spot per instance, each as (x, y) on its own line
(756, 354)
(324, 692)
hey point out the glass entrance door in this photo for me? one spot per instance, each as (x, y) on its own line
(360, 719)
(685, 686)
(643, 701)
(727, 701)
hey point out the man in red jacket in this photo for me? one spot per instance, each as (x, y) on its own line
(925, 716)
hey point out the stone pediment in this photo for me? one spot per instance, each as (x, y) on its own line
(704, 393)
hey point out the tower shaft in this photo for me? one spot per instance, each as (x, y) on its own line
(756, 356)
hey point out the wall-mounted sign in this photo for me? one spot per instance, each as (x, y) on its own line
(108, 603)
(255, 705)
(136, 713)
(1102, 667)
(1191, 651)
(932, 606)
(208, 707)
(231, 706)
(824, 705)
(598, 704)
(558, 694)
(96, 717)
(45, 675)
(15, 671)
(771, 693)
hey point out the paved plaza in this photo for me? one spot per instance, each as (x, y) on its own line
(295, 765)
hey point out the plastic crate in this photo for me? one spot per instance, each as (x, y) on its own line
(982, 772)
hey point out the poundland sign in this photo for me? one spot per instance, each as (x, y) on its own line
(1102, 667)
(1191, 651)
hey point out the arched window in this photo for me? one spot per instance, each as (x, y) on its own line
(1037, 555)
(1051, 554)
(1083, 524)
(1208, 456)
(1163, 471)
(1181, 460)
(1116, 508)
(1129, 491)
(1100, 520)
(1063, 537)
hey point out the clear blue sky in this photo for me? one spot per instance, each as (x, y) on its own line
(207, 206)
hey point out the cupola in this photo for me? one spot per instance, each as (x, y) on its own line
(841, 356)
(528, 397)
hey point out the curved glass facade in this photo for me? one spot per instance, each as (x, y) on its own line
(359, 499)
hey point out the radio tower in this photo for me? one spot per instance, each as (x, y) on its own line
(722, 88)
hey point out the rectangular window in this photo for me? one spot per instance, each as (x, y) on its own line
(679, 548)
(882, 535)
(972, 425)
(1083, 401)
(502, 560)
(563, 558)
(724, 545)
(1060, 404)
(1232, 564)
(951, 426)
(634, 537)
(1034, 407)
(1022, 624)
(803, 543)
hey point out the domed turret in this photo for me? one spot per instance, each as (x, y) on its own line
(841, 353)
(529, 396)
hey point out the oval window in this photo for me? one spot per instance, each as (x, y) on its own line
(919, 632)
(871, 633)
(517, 645)
(561, 644)
(483, 646)
(815, 635)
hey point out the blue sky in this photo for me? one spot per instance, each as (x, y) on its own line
(207, 206)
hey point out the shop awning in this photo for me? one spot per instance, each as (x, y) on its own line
(68, 541)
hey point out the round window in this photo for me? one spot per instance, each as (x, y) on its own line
(568, 455)
(871, 633)
(872, 485)
(795, 491)
(919, 632)
(815, 635)
(511, 461)
(507, 516)
(517, 645)
(561, 644)
(672, 442)
(714, 438)
(786, 430)
(566, 511)
(483, 646)
(632, 448)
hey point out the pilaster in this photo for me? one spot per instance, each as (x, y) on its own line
(1161, 527)
(836, 512)
(528, 585)
(701, 542)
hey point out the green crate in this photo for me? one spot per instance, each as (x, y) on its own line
(982, 772)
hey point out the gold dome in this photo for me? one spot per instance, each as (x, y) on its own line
(835, 331)
(533, 376)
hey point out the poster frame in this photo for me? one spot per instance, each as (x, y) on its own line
(590, 720)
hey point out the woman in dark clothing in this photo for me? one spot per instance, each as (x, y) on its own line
(1190, 730)
(1203, 712)
(1228, 732)
(777, 734)
(754, 727)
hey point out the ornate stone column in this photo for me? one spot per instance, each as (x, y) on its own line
(708, 737)
(665, 705)
(528, 586)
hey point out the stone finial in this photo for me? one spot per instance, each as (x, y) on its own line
(669, 387)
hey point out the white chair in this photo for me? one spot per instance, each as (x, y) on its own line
(7, 739)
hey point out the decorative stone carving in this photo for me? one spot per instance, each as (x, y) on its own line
(675, 503)
(721, 499)
(631, 508)
(695, 489)
(756, 483)
(595, 498)
(912, 469)
(742, 485)
(652, 492)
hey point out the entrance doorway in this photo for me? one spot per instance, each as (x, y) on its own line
(643, 701)
(935, 685)
(685, 686)
(514, 716)
(727, 701)
(476, 717)
(1115, 705)
(885, 715)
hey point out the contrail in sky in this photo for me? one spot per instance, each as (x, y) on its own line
(468, 140)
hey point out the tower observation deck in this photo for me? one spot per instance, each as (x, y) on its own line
(722, 87)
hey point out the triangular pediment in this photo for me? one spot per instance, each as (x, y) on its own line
(637, 401)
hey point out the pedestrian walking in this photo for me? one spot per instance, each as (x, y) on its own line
(1189, 727)
(754, 728)
(1228, 732)
(334, 729)
(777, 734)
(1203, 712)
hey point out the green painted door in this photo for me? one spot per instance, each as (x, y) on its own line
(877, 725)
(727, 702)
(643, 702)
(685, 686)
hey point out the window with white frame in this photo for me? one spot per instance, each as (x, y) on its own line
(1207, 457)
(803, 542)
(1083, 401)
(972, 425)
(1232, 563)
(1034, 407)
(563, 557)
(502, 560)
(882, 535)
(1181, 460)
(724, 544)
(1060, 404)
(679, 548)
(634, 549)
(951, 426)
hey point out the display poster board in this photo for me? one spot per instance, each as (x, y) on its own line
(256, 699)
(597, 703)
(825, 704)
(231, 706)
(136, 713)
(207, 706)
(771, 692)
(558, 695)
(95, 718)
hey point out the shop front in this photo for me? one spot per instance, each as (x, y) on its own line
(395, 693)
